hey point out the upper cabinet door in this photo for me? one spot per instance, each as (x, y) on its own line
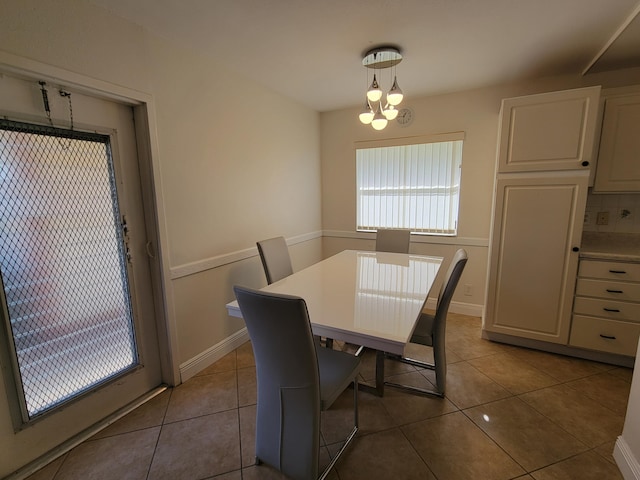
(549, 131)
(619, 157)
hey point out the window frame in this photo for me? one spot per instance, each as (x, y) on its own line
(406, 141)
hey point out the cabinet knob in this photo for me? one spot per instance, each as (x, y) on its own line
(585, 164)
(576, 249)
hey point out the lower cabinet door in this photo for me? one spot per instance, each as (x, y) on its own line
(534, 254)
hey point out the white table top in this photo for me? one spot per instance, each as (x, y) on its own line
(362, 297)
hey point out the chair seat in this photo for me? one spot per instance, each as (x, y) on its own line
(337, 370)
(423, 332)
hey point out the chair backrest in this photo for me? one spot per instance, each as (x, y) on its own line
(454, 272)
(274, 254)
(288, 409)
(393, 240)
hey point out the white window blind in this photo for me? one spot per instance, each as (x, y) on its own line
(414, 186)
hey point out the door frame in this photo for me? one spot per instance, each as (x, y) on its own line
(151, 182)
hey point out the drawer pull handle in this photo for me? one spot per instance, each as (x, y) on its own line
(617, 271)
(608, 337)
(615, 310)
(614, 291)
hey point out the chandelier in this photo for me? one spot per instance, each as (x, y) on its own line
(377, 110)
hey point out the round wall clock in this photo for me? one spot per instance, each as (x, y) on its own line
(405, 117)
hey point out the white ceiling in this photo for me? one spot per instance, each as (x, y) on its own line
(311, 50)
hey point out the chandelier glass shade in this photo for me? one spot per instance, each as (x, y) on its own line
(378, 108)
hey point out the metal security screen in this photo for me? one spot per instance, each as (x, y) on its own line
(63, 264)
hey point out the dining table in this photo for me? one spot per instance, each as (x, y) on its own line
(365, 298)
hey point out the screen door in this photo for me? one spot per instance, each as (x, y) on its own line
(78, 319)
(63, 260)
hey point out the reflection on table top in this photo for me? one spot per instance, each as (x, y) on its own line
(367, 298)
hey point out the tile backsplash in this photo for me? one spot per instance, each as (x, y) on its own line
(612, 213)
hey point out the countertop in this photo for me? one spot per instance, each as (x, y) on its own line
(611, 246)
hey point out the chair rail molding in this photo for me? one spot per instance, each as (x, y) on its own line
(213, 262)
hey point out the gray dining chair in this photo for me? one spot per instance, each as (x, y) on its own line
(274, 255)
(296, 381)
(276, 262)
(393, 240)
(430, 330)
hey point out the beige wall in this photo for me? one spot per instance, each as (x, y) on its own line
(237, 162)
(474, 112)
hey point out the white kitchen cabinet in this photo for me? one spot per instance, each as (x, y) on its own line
(533, 262)
(545, 153)
(548, 131)
(606, 311)
(618, 167)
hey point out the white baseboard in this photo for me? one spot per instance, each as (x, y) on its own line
(627, 462)
(471, 309)
(213, 354)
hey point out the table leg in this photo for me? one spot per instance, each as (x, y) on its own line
(378, 389)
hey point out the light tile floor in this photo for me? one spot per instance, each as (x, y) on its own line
(509, 413)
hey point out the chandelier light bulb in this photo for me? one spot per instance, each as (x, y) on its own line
(366, 115)
(395, 95)
(374, 93)
(390, 113)
(379, 121)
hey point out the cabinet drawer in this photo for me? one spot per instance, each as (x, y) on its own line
(604, 335)
(607, 308)
(609, 289)
(628, 272)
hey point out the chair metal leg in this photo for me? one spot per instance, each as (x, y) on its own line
(411, 361)
(351, 435)
(410, 388)
(419, 391)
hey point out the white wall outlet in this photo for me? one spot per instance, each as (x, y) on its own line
(468, 290)
(587, 218)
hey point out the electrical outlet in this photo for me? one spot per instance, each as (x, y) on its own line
(468, 290)
(587, 218)
(602, 218)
